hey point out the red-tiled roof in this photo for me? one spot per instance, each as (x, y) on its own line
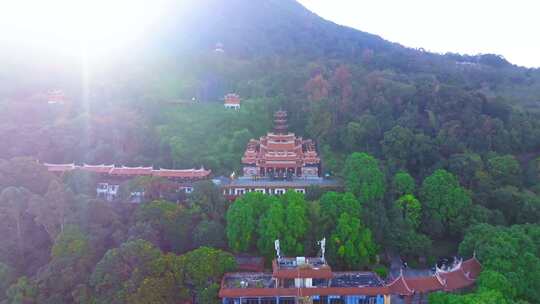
(400, 287)
(189, 173)
(462, 276)
(59, 167)
(131, 171)
(472, 267)
(97, 168)
(424, 284)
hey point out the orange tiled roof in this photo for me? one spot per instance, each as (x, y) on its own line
(130, 171)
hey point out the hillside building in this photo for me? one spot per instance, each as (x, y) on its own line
(281, 154)
(277, 162)
(232, 101)
(110, 177)
(311, 280)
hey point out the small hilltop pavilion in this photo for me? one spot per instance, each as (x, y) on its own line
(300, 280)
(232, 101)
(278, 162)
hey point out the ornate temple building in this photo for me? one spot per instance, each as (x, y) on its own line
(311, 280)
(278, 162)
(281, 154)
(110, 177)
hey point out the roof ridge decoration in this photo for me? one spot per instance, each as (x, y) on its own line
(441, 280)
(402, 278)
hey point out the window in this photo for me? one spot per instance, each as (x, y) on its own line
(231, 301)
(320, 299)
(319, 283)
(288, 300)
(268, 301)
(279, 191)
(250, 301)
(240, 191)
(336, 300)
(300, 190)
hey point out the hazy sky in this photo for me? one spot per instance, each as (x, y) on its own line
(504, 27)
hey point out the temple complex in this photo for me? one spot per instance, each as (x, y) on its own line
(311, 280)
(278, 162)
(110, 177)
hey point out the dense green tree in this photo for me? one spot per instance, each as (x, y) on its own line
(364, 178)
(404, 149)
(505, 170)
(411, 209)
(54, 210)
(72, 261)
(204, 267)
(135, 269)
(25, 172)
(81, 182)
(465, 166)
(403, 183)
(332, 205)
(240, 225)
(271, 227)
(173, 222)
(482, 297)
(510, 251)
(444, 204)
(7, 277)
(362, 134)
(209, 199)
(13, 208)
(351, 244)
(22, 292)
(209, 233)
(296, 223)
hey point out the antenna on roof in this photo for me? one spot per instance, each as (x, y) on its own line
(322, 243)
(276, 246)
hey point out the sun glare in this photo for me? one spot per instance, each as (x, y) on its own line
(100, 26)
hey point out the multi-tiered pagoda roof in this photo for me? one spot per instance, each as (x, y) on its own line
(281, 149)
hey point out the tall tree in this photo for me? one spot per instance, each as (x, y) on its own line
(271, 227)
(364, 178)
(505, 170)
(411, 209)
(445, 204)
(332, 205)
(133, 271)
(53, 210)
(209, 199)
(13, 207)
(296, 223)
(204, 267)
(403, 183)
(240, 225)
(351, 243)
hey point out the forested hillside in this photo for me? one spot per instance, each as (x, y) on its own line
(439, 154)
